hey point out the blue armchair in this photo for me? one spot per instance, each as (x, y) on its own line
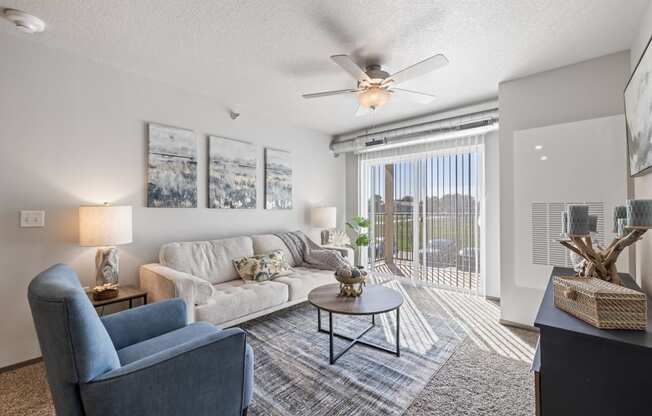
(142, 361)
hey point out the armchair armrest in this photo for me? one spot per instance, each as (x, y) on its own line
(200, 377)
(145, 322)
(162, 282)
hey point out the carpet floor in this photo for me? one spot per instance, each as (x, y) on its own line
(455, 360)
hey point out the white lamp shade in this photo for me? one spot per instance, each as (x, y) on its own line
(105, 225)
(323, 217)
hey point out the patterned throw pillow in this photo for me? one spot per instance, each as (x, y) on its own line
(263, 267)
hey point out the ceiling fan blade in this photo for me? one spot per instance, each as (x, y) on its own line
(418, 69)
(363, 111)
(419, 97)
(347, 64)
(328, 93)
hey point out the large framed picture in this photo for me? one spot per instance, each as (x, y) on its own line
(172, 167)
(231, 174)
(278, 179)
(638, 115)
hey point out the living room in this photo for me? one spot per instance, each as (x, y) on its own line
(309, 208)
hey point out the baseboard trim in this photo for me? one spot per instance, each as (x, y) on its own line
(517, 325)
(20, 365)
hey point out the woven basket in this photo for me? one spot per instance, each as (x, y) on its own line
(600, 303)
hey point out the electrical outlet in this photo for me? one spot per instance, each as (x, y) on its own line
(32, 219)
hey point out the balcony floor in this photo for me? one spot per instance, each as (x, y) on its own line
(449, 277)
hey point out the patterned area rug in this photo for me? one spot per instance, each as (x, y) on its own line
(487, 375)
(293, 376)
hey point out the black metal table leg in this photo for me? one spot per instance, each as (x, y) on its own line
(333, 357)
(330, 331)
(398, 333)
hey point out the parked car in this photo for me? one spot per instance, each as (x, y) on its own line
(440, 252)
(468, 259)
(379, 247)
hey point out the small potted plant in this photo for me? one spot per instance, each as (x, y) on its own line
(359, 226)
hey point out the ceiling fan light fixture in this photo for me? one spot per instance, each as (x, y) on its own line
(373, 97)
(24, 22)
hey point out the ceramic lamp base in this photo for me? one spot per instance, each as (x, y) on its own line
(107, 266)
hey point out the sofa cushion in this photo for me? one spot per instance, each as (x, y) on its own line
(304, 279)
(263, 267)
(237, 298)
(209, 260)
(266, 243)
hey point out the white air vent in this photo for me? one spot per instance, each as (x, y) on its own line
(546, 228)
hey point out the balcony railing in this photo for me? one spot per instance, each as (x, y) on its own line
(449, 244)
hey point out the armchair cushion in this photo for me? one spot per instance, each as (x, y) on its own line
(151, 346)
(148, 321)
(199, 377)
(189, 333)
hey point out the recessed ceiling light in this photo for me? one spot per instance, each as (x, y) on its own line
(24, 22)
(538, 147)
(544, 158)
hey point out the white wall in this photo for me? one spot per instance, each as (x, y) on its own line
(73, 132)
(643, 184)
(582, 91)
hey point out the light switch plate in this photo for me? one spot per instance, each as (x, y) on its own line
(32, 219)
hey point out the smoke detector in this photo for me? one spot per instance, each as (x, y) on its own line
(26, 23)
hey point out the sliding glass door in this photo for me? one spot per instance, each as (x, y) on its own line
(425, 214)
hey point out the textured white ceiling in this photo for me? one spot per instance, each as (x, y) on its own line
(260, 56)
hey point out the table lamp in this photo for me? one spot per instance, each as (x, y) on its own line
(105, 227)
(325, 218)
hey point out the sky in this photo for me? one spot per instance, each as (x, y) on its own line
(440, 175)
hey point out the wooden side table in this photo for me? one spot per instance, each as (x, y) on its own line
(125, 294)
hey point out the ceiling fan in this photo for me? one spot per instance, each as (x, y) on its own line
(375, 86)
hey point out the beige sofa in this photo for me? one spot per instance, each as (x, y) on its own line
(202, 274)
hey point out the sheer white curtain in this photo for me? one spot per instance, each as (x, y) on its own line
(425, 208)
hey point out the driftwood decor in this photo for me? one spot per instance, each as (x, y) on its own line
(601, 263)
(630, 222)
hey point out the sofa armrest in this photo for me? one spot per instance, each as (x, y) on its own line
(162, 282)
(346, 252)
(203, 376)
(144, 322)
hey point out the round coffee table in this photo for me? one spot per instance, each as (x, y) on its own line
(374, 300)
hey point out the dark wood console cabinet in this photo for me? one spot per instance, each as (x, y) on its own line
(582, 370)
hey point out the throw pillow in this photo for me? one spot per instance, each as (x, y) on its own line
(263, 267)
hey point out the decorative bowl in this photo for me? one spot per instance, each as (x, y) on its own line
(105, 294)
(352, 281)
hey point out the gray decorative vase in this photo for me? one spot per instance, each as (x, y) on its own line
(621, 229)
(593, 223)
(564, 223)
(639, 213)
(578, 220)
(620, 212)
